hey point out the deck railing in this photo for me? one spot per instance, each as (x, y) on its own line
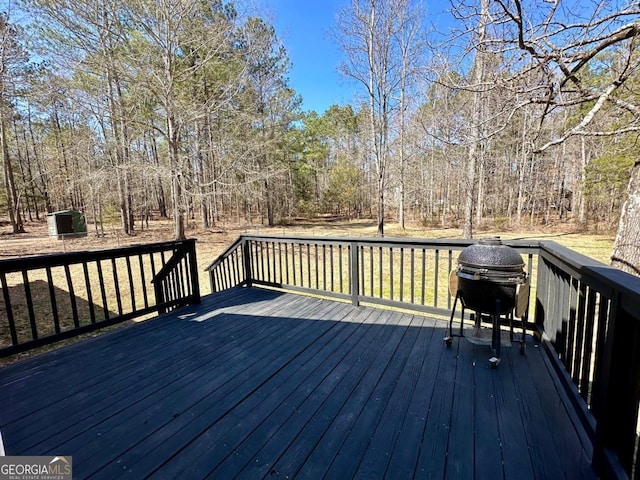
(587, 315)
(404, 273)
(48, 298)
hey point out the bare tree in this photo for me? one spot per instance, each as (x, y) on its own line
(475, 134)
(12, 58)
(564, 47)
(411, 46)
(375, 40)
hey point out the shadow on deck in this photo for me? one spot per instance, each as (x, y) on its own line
(256, 383)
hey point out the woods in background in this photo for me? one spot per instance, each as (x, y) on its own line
(521, 114)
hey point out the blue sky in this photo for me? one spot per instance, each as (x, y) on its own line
(303, 27)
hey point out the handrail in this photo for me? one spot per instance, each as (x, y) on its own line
(48, 298)
(587, 314)
(234, 268)
(238, 241)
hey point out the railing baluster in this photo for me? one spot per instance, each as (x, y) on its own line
(54, 303)
(219, 282)
(260, 254)
(273, 259)
(324, 266)
(380, 273)
(371, 271)
(308, 248)
(266, 256)
(437, 276)
(331, 266)
(103, 292)
(449, 268)
(601, 338)
(8, 309)
(301, 263)
(424, 275)
(293, 262)
(315, 263)
(32, 316)
(72, 297)
(565, 285)
(580, 334)
(340, 266)
(413, 274)
(362, 275)
(391, 273)
(353, 272)
(401, 274)
(183, 279)
(142, 281)
(131, 286)
(235, 272)
(286, 262)
(587, 371)
(572, 302)
(116, 283)
(280, 261)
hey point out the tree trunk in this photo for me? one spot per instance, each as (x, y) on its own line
(479, 207)
(626, 248)
(10, 184)
(43, 177)
(580, 200)
(269, 199)
(476, 117)
(176, 186)
(158, 188)
(381, 205)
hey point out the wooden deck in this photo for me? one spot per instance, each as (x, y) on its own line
(254, 383)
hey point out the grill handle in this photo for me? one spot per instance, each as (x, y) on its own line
(499, 278)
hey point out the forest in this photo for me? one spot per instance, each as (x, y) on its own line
(523, 113)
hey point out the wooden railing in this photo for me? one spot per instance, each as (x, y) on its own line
(587, 315)
(177, 284)
(49, 298)
(405, 273)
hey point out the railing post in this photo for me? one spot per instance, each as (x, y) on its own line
(354, 279)
(542, 295)
(158, 288)
(212, 281)
(246, 262)
(193, 268)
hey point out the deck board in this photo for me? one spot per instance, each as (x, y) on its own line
(239, 370)
(134, 381)
(510, 423)
(256, 383)
(239, 423)
(176, 437)
(461, 440)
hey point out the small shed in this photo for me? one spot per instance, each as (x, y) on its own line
(66, 223)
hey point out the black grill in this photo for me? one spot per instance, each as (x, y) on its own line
(488, 272)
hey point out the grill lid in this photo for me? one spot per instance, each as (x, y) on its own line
(490, 255)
